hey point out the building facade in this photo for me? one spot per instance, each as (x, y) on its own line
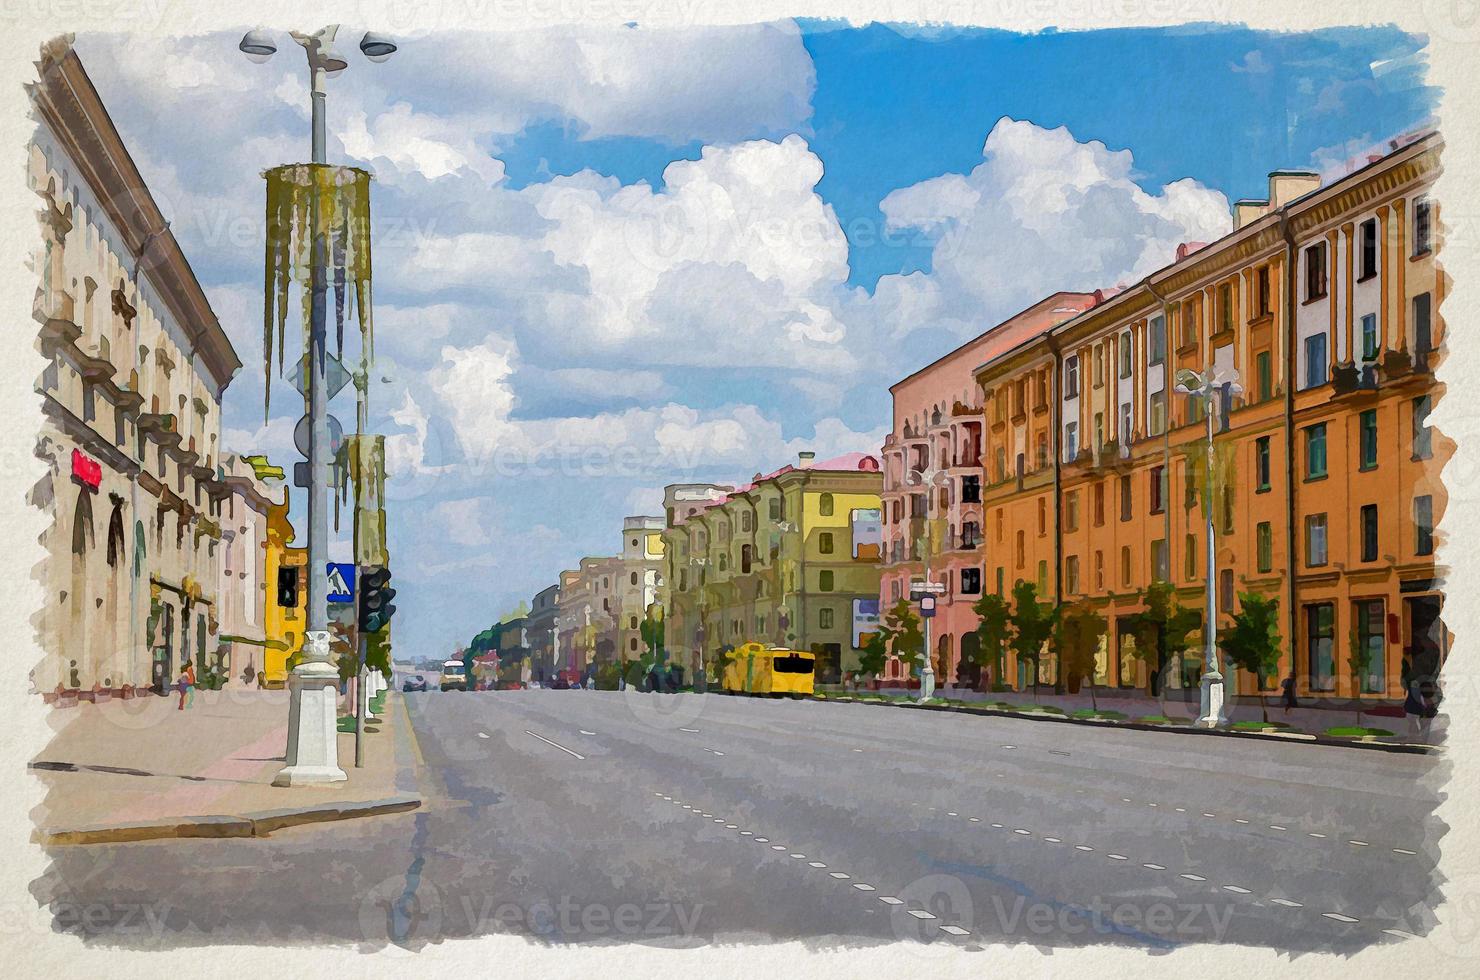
(639, 581)
(542, 625)
(933, 459)
(243, 590)
(682, 622)
(1322, 305)
(135, 363)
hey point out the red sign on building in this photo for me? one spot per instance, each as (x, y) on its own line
(86, 469)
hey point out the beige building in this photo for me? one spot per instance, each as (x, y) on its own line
(134, 365)
(639, 580)
(242, 595)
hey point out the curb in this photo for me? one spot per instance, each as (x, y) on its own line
(259, 824)
(1406, 748)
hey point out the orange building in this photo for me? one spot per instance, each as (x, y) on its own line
(932, 504)
(1323, 303)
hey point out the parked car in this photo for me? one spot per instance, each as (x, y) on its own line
(415, 682)
(454, 676)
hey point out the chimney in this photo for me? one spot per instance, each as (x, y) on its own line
(804, 460)
(1248, 211)
(1288, 185)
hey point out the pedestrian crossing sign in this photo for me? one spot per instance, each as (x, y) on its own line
(341, 582)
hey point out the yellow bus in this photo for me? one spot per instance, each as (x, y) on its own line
(754, 668)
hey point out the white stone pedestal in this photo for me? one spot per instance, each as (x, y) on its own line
(1210, 713)
(313, 741)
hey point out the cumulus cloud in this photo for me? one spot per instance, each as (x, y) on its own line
(1041, 212)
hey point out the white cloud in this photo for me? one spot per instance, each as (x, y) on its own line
(1041, 212)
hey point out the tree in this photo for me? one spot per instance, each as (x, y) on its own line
(901, 629)
(873, 655)
(1032, 625)
(991, 631)
(1251, 641)
(1080, 630)
(651, 630)
(1161, 632)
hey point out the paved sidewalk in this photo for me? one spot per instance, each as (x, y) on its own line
(142, 767)
(1308, 718)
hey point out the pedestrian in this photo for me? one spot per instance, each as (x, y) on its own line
(1415, 706)
(187, 678)
(1287, 694)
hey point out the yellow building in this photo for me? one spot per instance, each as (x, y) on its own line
(287, 592)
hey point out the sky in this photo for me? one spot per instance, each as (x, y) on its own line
(611, 259)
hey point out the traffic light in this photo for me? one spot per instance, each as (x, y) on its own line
(375, 598)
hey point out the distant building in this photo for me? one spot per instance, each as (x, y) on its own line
(541, 626)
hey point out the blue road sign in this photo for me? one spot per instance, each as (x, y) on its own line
(341, 582)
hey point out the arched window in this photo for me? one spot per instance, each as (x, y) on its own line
(115, 532)
(825, 505)
(82, 523)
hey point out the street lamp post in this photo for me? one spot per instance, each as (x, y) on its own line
(1212, 712)
(928, 478)
(312, 755)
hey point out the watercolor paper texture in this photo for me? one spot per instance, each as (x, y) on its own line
(665, 492)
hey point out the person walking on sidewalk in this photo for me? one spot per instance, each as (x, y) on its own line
(1287, 694)
(187, 685)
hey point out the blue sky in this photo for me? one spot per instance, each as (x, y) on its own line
(612, 259)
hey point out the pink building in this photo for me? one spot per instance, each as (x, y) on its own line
(932, 481)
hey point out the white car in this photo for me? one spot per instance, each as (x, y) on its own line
(454, 676)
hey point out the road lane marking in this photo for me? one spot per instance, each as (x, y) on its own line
(1210, 814)
(858, 750)
(1338, 917)
(1399, 850)
(1236, 890)
(1192, 877)
(1155, 867)
(482, 734)
(890, 900)
(1025, 833)
(1287, 903)
(840, 875)
(954, 930)
(1359, 843)
(1116, 857)
(584, 732)
(729, 826)
(802, 856)
(556, 744)
(1083, 847)
(1053, 840)
(1399, 934)
(862, 887)
(763, 840)
(975, 819)
(691, 731)
(1239, 820)
(1314, 834)
(815, 864)
(921, 914)
(998, 826)
(747, 833)
(1275, 826)
(952, 813)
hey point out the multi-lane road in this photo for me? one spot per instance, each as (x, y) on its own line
(578, 816)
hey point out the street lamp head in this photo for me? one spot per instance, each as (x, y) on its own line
(258, 45)
(1189, 382)
(377, 47)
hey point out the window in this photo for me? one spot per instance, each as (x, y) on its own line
(1228, 503)
(1042, 516)
(1423, 330)
(1022, 550)
(1315, 360)
(1125, 565)
(1423, 443)
(1157, 487)
(825, 580)
(1099, 498)
(1315, 540)
(1071, 511)
(1315, 451)
(1099, 378)
(1160, 560)
(1000, 571)
(825, 543)
(1071, 441)
(1041, 450)
(775, 510)
(1315, 271)
(1125, 498)
(1156, 340)
(1369, 249)
(1421, 226)
(971, 489)
(1125, 355)
(1261, 290)
(1264, 546)
(1189, 486)
(746, 556)
(1099, 571)
(1367, 425)
(1225, 590)
(971, 581)
(1001, 464)
(1189, 324)
(1071, 377)
(287, 587)
(1369, 532)
(1225, 308)
(1264, 375)
(1071, 574)
(1042, 577)
(1158, 412)
(1372, 642)
(825, 505)
(1320, 633)
(825, 618)
(89, 403)
(1423, 525)
(1189, 558)
(1261, 464)
(1369, 337)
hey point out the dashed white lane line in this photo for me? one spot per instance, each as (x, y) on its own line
(799, 857)
(1399, 850)
(1275, 826)
(952, 813)
(1192, 877)
(1287, 903)
(691, 731)
(763, 840)
(778, 847)
(1314, 834)
(1237, 890)
(1399, 934)
(730, 826)
(1210, 814)
(1054, 840)
(1359, 843)
(891, 900)
(556, 744)
(921, 914)
(482, 734)
(747, 833)
(1116, 857)
(1083, 847)
(1338, 917)
(858, 750)
(1009, 746)
(1181, 809)
(1155, 867)
(1025, 833)
(863, 887)
(714, 751)
(840, 875)
(998, 826)
(954, 930)
(975, 819)
(815, 864)
(1239, 820)
(584, 732)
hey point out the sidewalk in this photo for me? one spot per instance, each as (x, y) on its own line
(140, 769)
(1307, 720)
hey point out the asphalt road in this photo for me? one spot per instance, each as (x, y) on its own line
(577, 816)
